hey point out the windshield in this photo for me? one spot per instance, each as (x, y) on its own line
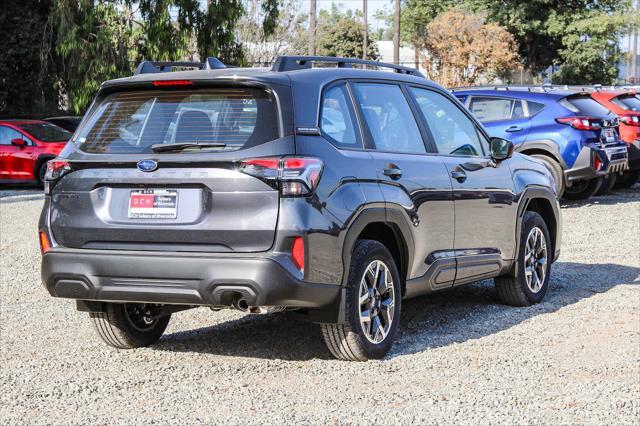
(46, 132)
(131, 122)
(628, 102)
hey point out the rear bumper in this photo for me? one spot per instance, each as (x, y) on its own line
(175, 278)
(613, 159)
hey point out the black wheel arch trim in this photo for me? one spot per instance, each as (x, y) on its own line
(392, 216)
(545, 146)
(526, 197)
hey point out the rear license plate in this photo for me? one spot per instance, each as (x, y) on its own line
(153, 204)
(609, 135)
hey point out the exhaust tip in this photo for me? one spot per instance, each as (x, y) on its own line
(241, 305)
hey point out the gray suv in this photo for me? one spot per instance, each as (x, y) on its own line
(336, 192)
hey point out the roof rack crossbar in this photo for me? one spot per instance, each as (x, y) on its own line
(152, 67)
(292, 63)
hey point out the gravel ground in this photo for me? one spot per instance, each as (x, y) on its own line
(461, 358)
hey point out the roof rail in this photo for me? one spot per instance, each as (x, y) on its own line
(292, 63)
(152, 67)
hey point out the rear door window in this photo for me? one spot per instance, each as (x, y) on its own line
(488, 109)
(389, 118)
(584, 104)
(534, 107)
(338, 118)
(131, 122)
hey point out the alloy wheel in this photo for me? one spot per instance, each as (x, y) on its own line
(141, 316)
(376, 301)
(535, 260)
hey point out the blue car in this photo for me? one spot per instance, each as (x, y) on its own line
(574, 136)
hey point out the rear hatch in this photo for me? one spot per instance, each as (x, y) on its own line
(589, 115)
(159, 170)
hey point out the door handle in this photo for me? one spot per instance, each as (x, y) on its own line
(392, 171)
(513, 129)
(459, 175)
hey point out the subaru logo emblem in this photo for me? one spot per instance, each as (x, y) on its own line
(147, 165)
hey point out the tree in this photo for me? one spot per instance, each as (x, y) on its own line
(287, 37)
(94, 42)
(589, 52)
(541, 27)
(416, 15)
(340, 34)
(465, 48)
(26, 65)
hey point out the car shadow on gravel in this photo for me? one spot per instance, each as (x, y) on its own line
(432, 321)
(618, 196)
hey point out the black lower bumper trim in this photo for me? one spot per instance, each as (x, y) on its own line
(173, 279)
(584, 166)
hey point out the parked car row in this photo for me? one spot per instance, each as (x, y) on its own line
(587, 137)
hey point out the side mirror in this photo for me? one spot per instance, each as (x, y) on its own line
(501, 149)
(19, 142)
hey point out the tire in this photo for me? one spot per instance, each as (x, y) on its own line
(121, 328)
(607, 185)
(556, 171)
(527, 288)
(582, 190)
(628, 179)
(349, 341)
(42, 170)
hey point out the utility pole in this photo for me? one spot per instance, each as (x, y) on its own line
(312, 27)
(635, 71)
(366, 29)
(396, 34)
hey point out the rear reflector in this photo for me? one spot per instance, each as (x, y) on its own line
(45, 245)
(597, 163)
(297, 253)
(165, 83)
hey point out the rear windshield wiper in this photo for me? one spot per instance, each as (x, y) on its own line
(164, 147)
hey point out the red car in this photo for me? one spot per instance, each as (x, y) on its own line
(25, 148)
(626, 105)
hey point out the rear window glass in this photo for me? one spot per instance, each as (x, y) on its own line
(131, 122)
(584, 105)
(628, 102)
(46, 132)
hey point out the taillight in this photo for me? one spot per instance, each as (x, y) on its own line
(581, 123)
(295, 176)
(172, 83)
(45, 245)
(55, 170)
(630, 120)
(297, 253)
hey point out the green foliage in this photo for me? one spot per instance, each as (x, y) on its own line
(340, 34)
(26, 68)
(416, 15)
(547, 30)
(95, 42)
(215, 29)
(589, 53)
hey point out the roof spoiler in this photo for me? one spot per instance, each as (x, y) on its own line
(152, 67)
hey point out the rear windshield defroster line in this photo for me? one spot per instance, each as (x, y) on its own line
(225, 119)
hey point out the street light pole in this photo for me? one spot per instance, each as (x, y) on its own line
(366, 29)
(312, 27)
(396, 34)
